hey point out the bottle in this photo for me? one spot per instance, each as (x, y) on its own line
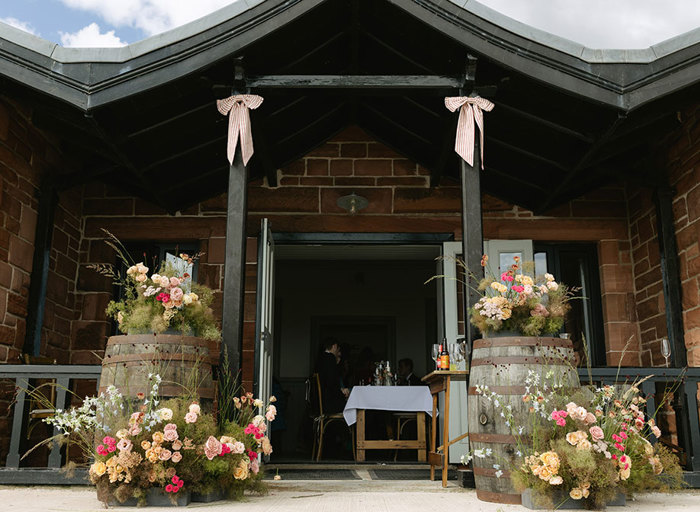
(444, 358)
(438, 362)
(388, 377)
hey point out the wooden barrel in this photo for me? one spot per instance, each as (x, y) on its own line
(183, 362)
(502, 364)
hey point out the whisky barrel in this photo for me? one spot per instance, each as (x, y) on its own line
(184, 364)
(503, 364)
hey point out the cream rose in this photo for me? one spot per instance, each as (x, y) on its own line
(140, 278)
(576, 493)
(550, 459)
(164, 282)
(165, 454)
(170, 435)
(625, 473)
(190, 417)
(556, 480)
(239, 447)
(584, 444)
(165, 414)
(177, 445)
(195, 408)
(176, 457)
(98, 468)
(176, 294)
(241, 471)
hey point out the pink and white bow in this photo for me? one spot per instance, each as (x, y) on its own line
(471, 110)
(239, 123)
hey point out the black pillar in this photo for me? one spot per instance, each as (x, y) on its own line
(40, 267)
(670, 274)
(472, 237)
(234, 266)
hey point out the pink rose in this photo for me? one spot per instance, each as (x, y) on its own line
(596, 433)
(170, 426)
(134, 430)
(170, 435)
(270, 416)
(212, 447)
(174, 281)
(124, 445)
(164, 282)
(590, 418)
(255, 466)
(177, 445)
(165, 454)
(176, 294)
(176, 457)
(238, 447)
(190, 417)
(656, 431)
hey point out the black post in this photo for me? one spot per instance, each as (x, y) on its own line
(670, 274)
(40, 267)
(234, 266)
(472, 236)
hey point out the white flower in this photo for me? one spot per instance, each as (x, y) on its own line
(479, 453)
(257, 403)
(165, 414)
(498, 473)
(496, 466)
(489, 451)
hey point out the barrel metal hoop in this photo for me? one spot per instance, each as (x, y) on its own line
(486, 361)
(500, 390)
(522, 342)
(154, 356)
(477, 437)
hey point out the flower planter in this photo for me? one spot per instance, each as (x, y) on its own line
(209, 497)
(502, 364)
(561, 500)
(157, 497)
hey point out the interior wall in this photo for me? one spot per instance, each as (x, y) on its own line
(307, 289)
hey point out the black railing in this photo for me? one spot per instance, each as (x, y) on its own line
(60, 377)
(684, 403)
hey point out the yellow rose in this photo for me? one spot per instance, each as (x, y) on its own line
(158, 437)
(546, 473)
(145, 445)
(98, 468)
(241, 471)
(576, 493)
(506, 314)
(625, 473)
(551, 460)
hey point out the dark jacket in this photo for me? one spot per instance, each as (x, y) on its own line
(411, 380)
(329, 375)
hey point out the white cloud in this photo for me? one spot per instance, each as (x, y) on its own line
(22, 25)
(605, 23)
(91, 37)
(150, 16)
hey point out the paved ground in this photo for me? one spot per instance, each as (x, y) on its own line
(329, 495)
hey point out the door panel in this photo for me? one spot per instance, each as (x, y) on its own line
(265, 314)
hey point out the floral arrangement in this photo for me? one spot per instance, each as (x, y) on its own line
(586, 444)
(173, 445)
(156, 302)
(517, 302)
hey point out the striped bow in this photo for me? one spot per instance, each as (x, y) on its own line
(239, 123)
(471, 110)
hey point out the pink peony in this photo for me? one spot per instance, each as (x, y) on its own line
(170, 435)
(190, 417)
(176, 457)
(596, 433)
(212, 447)
(176, 294)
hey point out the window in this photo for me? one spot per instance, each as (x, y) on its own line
(576, 265)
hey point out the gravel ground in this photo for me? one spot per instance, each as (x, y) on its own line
(329, 495)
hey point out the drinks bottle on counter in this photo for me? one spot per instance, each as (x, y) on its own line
(444, 357)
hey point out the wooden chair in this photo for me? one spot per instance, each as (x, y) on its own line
(321, 422)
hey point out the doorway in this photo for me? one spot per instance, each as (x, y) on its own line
(371, 298)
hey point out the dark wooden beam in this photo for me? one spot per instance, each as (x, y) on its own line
(670, 274)
(186, 151)
(545, 122)
(394, 51)
(353, 82)
(234, 265)
(584, 161)
(209, 105)
(534, 156)
(263, 151)
(40, 266)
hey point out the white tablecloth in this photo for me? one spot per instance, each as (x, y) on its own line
(388, 398)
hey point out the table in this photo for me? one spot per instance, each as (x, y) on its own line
(388, 398)
(438, 381)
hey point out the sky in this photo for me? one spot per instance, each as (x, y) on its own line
(594, 23)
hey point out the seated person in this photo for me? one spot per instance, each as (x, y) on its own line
(332, 390)
(406, 377)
